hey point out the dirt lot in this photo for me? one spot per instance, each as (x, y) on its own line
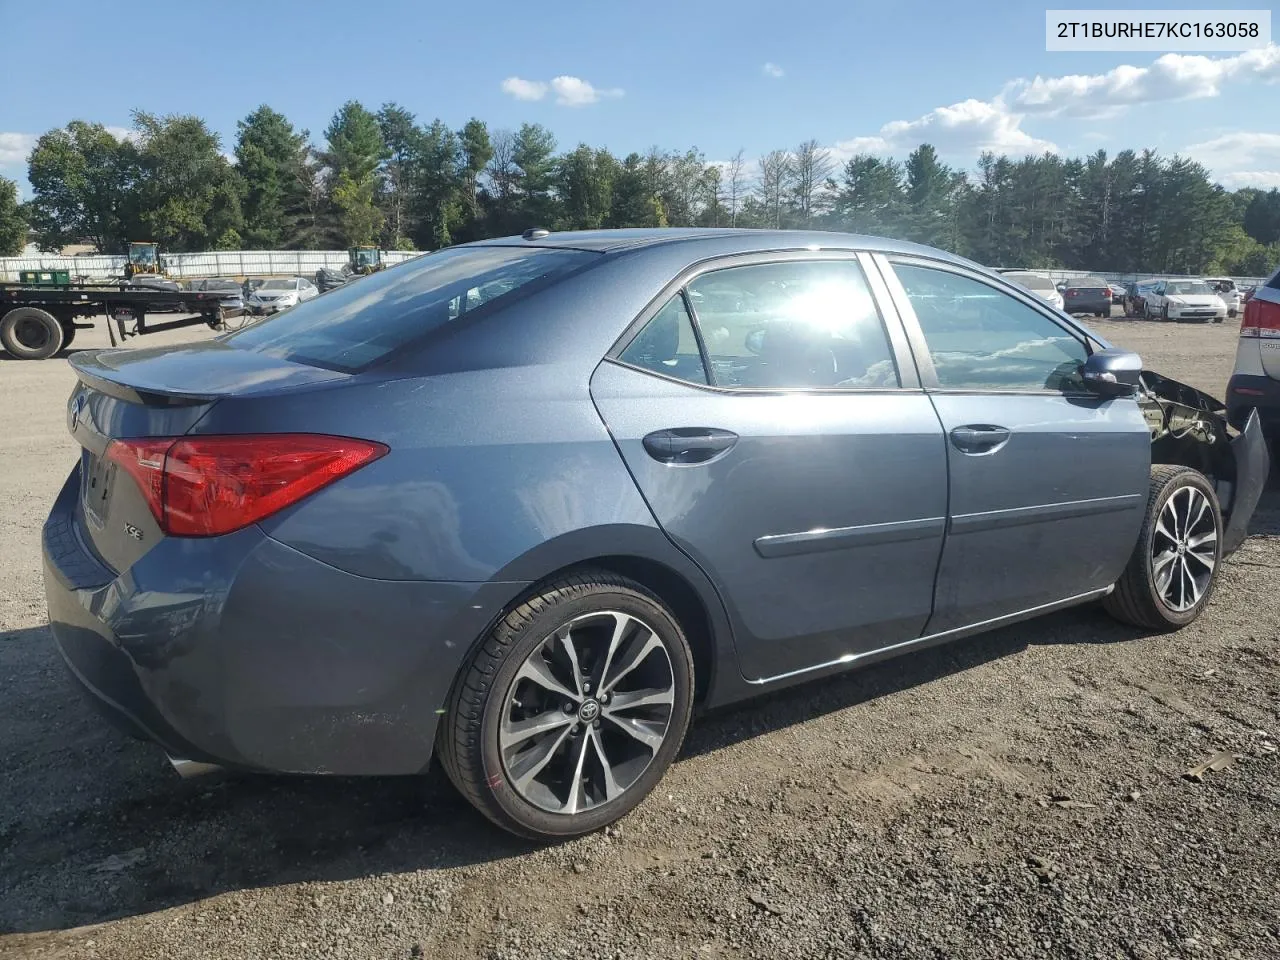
(1019, 794)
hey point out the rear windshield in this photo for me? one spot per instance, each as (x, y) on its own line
(365, 320)
(1088, 283)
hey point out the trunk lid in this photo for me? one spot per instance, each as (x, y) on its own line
(155, 392)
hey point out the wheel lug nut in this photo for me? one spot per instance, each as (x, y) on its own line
(568, 707)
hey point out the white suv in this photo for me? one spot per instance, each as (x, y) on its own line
(1255, 383)
(1185, 300)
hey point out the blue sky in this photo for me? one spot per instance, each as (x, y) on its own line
(720, 76)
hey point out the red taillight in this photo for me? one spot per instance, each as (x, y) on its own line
(1261, 319)
(205, 486)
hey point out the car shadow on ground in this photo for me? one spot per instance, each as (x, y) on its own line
(101, 828)
(95, 826)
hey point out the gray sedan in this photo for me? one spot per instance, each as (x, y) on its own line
(524, 503)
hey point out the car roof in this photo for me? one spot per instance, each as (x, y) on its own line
(724, 241)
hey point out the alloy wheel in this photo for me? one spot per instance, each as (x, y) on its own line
(1184, 548)
(587, 712)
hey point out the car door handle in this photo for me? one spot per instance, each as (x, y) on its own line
(979, 438)
(688, 444)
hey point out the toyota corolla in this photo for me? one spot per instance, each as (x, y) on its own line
(523, 504)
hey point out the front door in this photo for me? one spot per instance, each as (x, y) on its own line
(787, 448)
(1048, 481)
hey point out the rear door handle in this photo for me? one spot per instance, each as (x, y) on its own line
(978, 438)
(688, 444)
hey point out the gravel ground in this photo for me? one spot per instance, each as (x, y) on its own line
(1020, 794)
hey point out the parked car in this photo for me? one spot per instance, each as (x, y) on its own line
(274, 295)
(1135, 297)
(1087, 295)
(1117, 292)
(1226, 288)
(1182, 300)
(231, 296)
(1255, 382)
(511, 502)
(327, 278)
(1042, 286)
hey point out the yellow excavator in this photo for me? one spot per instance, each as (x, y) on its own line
(365, 260)
(144, 258)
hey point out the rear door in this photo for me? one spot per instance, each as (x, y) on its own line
(1048, 481)
(784, 443)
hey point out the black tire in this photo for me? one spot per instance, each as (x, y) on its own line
(485, 693)
(1137, 598)
(1164, 313)
(30, 334)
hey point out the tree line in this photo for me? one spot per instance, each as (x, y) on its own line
(385, 177)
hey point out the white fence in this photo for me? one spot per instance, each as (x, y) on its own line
(222, 263)
(1122, 278)
(257, 263)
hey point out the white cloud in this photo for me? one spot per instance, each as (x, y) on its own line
(968, 127)
(1237, 149)
(14, 148)
(573, 92)
(773, 70)
(569, 91)
(1241, 159)
(524, 89)
(1262, 179)
(1173, 76)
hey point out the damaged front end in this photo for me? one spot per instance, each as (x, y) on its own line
(1189, 427)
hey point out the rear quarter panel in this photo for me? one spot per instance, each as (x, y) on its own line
(484, 467)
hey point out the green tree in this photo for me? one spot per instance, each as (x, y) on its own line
(534, 155)
(930, 189)
(82, 180)
(870, 198)
(358, 217)
(271, 158)
(13, 220)
(189, 196)
(1262, 216)
(355, 150)
(477, 151)
(584, 186)
(402, 139)
(438, 187)
(632, 202)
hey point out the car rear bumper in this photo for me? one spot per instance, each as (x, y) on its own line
(1247, 392)
(242, 652)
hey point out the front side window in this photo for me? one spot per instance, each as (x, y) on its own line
(980, 338)
(792, 325)
(668, 345)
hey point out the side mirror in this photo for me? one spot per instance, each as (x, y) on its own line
(1112, 372)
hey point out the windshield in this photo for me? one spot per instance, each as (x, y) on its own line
(279, 285)
(142, 255)
(356, 324)
(1186, 288)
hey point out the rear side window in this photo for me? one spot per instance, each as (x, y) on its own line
(668, 345)
(792, 325)
(365, 320)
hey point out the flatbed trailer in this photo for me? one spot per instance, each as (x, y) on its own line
(37, 322)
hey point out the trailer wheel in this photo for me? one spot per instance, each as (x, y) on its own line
(31, 334)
